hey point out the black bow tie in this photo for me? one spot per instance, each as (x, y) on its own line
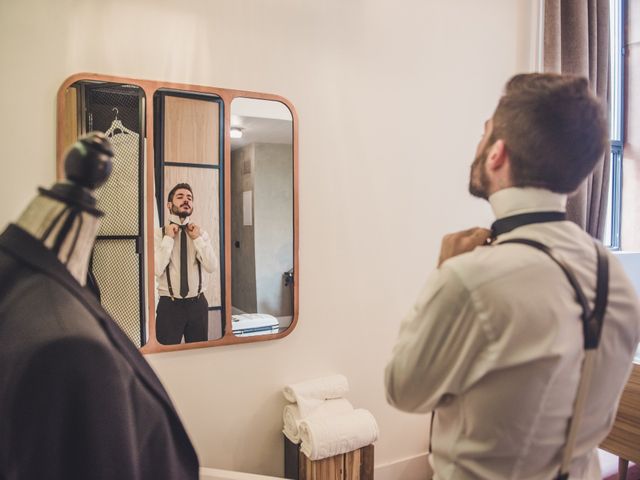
(182, 226)
(506, 224)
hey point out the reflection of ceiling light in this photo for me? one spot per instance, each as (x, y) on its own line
(236, 132)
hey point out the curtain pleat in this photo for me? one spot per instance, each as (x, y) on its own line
(576, 41)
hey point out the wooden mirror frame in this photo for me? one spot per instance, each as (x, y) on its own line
(150, 87)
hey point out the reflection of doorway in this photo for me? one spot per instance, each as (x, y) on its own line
(188, 147)
(118, 256)
(262, 229)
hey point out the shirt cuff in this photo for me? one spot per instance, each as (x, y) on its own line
(167, 242)
(199, 242)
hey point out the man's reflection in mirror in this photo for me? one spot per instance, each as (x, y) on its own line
(182, 252)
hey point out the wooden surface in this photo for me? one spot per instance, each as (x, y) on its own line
(354, 465)
(326, 469)
(150, 87)
(191, 131)
(68, 127)
(624, 438)
(366, 462)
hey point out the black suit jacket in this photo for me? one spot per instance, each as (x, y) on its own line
(77, 400)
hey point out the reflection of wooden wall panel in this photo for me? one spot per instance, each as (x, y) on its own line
(69, 126)
(191, 131)
(206, 213)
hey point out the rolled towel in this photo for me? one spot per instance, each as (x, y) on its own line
(291, 415)
(325, 436)
(310, 394)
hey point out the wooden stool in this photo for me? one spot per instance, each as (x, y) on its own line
(355, 465)
(624, 438)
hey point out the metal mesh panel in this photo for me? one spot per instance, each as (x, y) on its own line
(115, 110)
(117, 271)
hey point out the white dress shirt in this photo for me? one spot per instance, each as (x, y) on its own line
(167, 252)
(495, 343)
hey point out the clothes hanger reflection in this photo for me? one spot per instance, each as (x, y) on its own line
(117, 125)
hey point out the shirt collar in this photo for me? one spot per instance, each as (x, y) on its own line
(176, 219)
(516, 200)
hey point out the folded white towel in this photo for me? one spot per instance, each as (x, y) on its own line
(309, 395)
(291, 415)
(328, 435)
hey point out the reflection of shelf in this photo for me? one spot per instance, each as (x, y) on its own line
(250, 324)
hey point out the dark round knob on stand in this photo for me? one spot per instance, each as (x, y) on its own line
(88, 162)
(87, 165)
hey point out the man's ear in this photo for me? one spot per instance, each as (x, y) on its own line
(497, 156)
(169, 206)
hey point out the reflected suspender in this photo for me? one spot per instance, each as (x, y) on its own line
(592, 322)
(169, 276)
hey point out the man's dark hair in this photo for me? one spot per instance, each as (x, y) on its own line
(186, 186)
(554, 130)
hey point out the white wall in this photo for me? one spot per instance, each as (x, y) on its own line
(391, 98)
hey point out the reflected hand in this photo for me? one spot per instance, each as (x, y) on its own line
(193, 231)
(462, 242)
(171, 230)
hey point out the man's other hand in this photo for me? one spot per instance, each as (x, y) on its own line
(193, 230)
(171, 230)
(460, 242)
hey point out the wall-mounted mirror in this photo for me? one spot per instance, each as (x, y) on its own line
(198, 246)
(262, 262)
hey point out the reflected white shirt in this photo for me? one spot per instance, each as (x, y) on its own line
(167, 252)
(495, 343)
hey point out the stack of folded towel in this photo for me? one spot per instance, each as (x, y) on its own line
(323, 421)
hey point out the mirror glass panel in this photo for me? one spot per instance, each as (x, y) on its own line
(262, 235)
(118, 110)
(188, 129)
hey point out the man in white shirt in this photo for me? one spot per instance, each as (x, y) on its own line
(182, 252)
(494, 343)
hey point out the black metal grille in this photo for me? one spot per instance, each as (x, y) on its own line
(118, 111)
(116, 268)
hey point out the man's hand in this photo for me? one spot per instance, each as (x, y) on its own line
(461, 242)
(171, 230)
(193, 231)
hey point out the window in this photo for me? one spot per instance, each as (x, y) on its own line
(616, 118)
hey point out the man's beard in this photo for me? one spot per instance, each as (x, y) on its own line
(175, 209)
(478, 179)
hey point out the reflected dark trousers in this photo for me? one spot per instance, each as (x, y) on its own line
(182, 316)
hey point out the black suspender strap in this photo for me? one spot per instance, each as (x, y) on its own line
(591, 319)
(166, 270)
(592, 322)
(169, 276)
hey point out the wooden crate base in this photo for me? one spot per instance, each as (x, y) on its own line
(356, 465)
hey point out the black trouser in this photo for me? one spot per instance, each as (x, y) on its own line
(182, 316)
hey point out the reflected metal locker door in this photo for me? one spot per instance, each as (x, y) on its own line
(118, 256)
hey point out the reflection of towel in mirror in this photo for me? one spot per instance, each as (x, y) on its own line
(324, 436)
(291, 415)
(310, 394)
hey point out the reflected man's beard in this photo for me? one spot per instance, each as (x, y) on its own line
(478, 180)
(175, 209)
